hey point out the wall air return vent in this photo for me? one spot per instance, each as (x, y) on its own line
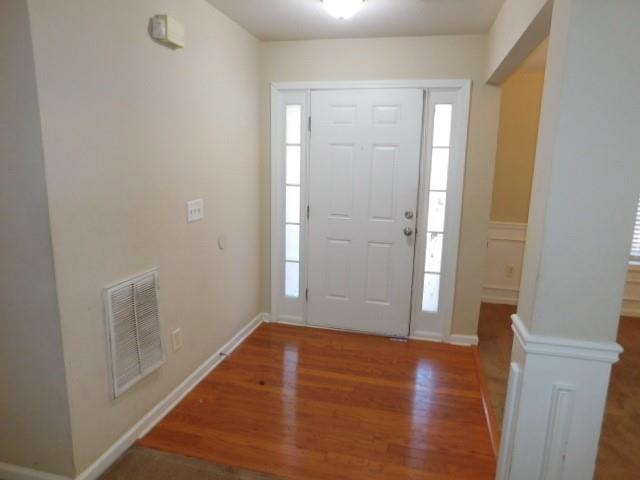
(133, 330)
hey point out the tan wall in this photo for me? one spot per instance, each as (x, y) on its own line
(35, 430)
(404, 58)
(517, 139)
(131, 131)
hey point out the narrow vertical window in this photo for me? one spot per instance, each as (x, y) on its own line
(635, 245)
(436, 196)
(293, 152)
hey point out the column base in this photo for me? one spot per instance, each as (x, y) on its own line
(555, 403)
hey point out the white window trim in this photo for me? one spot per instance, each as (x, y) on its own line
(437, 326)
(635, 259)
(422, 325)
(287, 309)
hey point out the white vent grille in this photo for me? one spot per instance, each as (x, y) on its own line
(133, 326)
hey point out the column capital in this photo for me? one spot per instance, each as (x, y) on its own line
(608, 352)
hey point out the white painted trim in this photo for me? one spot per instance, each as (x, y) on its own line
(506, 288)
(463, 340)
(499, 300)
(558, 428)
(518, 226)
(441, 321)
(608, 352)
(421, 336)
(554, 406)
(146, 423)
(500, 294)
(509, 422)
(289, 308)
(341, 85)
(291, 320)
(426, 336)
(275, 272)
(507, 232)
(459, 87)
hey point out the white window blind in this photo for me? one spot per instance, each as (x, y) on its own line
(635, 246)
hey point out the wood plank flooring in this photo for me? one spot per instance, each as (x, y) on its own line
(303, 403)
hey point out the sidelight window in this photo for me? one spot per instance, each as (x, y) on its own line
(635, 246)
(437, 202)
(293, 151)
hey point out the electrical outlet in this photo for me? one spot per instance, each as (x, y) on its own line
(176, 339)
(195, 210)
(510, 271)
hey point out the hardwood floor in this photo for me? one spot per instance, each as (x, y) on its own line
(620, 440)
(306, 404)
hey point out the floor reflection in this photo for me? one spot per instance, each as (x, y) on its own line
(289, 393)
(421, 410)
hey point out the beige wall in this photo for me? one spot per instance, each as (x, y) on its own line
(131, 131)
(404, 58)
(517, 139)
(35, 430)
(517, 30)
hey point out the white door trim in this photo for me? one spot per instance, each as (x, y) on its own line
(288, 310)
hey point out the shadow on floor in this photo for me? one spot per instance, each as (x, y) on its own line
(140, 463)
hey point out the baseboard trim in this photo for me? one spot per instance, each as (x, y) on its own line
(157, 413)
(454, 339)
(497, 300)
(290, 320)
(464, 340)
(489, 411)
(420, 335)
(500, 294)
(425, 336)
(631, 312)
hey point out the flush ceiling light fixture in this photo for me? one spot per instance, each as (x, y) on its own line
(342, 9)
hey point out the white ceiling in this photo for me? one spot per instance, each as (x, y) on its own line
(307, 19)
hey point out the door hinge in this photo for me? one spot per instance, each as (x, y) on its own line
(306, 294)
(309, 122)
(308, 212)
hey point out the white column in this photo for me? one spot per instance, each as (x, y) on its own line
(586, 186)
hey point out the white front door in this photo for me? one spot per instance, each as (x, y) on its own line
(363, 194)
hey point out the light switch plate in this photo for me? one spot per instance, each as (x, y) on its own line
(195, 210)
(176, 339)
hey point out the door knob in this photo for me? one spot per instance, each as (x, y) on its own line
(408, 231)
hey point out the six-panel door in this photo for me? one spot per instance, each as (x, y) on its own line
(363, 191)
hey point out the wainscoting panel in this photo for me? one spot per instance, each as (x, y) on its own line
(505, 251)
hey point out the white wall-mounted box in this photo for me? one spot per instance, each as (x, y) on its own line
(168, 30)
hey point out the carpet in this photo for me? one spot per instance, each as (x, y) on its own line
(140, 463)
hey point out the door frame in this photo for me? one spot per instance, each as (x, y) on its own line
(423, 326)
